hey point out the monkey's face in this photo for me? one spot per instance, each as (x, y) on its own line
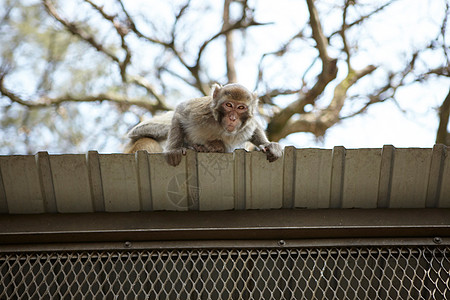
(232, 106)
(234, 115)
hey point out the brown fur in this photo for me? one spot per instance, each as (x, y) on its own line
(148, 144)
(237, 93)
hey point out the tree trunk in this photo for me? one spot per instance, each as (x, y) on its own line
(231, 69)
(443, 136)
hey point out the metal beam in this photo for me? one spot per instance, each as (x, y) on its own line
(224, 225)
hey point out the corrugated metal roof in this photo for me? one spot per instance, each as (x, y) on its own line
(304, 178)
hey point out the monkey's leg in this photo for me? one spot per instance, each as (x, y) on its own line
(199, 148)
(215, 146)
(148, 144)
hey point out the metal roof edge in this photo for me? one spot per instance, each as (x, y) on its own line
(282, 224)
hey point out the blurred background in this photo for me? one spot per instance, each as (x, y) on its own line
(76, 75)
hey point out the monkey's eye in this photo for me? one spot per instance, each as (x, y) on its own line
(241, 107)
(228, 104)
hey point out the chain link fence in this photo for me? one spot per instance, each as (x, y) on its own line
(283, 273)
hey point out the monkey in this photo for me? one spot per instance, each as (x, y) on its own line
(221, 122)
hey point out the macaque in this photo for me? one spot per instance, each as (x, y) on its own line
(221, 122)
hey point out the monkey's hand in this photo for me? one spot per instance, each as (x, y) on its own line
(272, 150)
(173, 157)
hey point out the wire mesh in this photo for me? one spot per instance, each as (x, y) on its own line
(294, 273)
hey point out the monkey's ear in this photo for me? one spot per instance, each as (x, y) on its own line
(215, 89)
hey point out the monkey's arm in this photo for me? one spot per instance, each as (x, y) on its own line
(175, 142)
(272, 150)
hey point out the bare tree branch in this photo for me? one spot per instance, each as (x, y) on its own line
(329, 73)
(193, 69)
(346, 48)
(444, 33)
(48, 101)
(6, 14)
(45, 83)
(229, 45)
(141, 81)
(267, 97)
(318, 122)
(280, 52)
(170, 45)
(132, 26)
(275, 126)
(122, 31)
(242, 23)
(443, 136)
(75, 30)
(317, 32)
(382, 94)
(364, 17)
